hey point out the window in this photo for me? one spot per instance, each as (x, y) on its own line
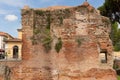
(103, 56)
(15, 51)
(2, 54)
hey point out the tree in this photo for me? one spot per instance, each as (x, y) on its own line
(111, 9)
(113, 34)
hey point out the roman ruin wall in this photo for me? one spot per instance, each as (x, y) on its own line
(65, 43)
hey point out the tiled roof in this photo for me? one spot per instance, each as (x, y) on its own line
(10, 38)
(5, 34)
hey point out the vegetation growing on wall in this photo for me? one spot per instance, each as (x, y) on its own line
(41, 30)
(61, 20)
(24, 12)
(42, 25)
(48, 21)
(79, 41)
(58, 45)
(47, 40)
(44, 37)
(36, 31)
(39, 12)
(67, 11)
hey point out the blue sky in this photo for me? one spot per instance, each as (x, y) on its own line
(10, 11)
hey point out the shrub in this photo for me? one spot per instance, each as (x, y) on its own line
(118, 77)
(117, 47)
(58, 45)
(47, 43)
(61, 20)
(79, 41)
(39, 12)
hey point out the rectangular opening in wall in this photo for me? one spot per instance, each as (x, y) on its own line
(103, 56)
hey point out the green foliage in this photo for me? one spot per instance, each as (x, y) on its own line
(61, 20)
(36, 31)
(111, 7)
(43, 30)
(113, 33)
(115, 36)
(79, 41)
(117, 47)
(102, 10)
(39, 12)
(47, 40)
(47, 44)
(67, 10)
(118, 77)
(48, 21)
(42, 24)
(58, 45)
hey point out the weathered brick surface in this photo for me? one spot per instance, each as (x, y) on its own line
(77, 60)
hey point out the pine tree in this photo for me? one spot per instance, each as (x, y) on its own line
(111, 9)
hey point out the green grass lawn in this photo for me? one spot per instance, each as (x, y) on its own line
(118, 77)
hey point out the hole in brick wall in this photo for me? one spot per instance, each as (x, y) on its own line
(103, 56)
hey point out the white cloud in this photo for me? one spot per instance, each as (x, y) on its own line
(11, 17)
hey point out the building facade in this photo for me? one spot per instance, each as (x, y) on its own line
(10, 47)
(3, 36)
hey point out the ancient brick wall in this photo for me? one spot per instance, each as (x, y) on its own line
(64, 44)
